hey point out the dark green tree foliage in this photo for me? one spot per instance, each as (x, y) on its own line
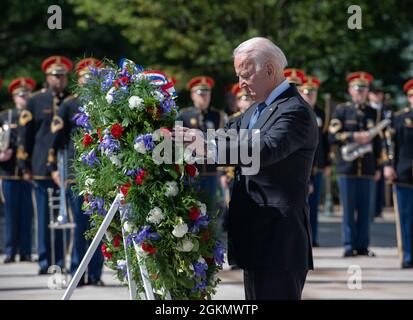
(186, 38)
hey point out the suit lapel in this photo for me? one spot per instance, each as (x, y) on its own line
(268, 111)
(247, 116)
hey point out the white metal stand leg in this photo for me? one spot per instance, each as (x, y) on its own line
(92, 248)
(148, 294)
(131, 280)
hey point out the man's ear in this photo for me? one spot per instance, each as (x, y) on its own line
(270, 69)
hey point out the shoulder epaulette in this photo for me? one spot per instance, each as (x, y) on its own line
(344, 104)
(186, 109)
(43, 90)
(70, 98)
(403, 111)
(234, 115)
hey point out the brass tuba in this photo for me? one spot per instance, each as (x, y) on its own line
(354, 150)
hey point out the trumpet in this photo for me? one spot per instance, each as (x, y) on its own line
(354, 150)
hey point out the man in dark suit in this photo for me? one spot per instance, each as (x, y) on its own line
(269, 231)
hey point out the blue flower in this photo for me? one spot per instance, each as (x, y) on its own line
(219, 253)
(122, 266)
(82, 120)
(167, 105)
(109, 77)
(143, 235)
(199, 286)
(201, 221)
(200, 269)
(90, 158)
(108, 145)
(147, 141)
(96, 203)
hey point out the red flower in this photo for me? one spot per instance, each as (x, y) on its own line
(121, 82)
(87, 139)
(86, 198)
(191, 170)
(106, 254)
(116, 130)
(177, 168)
(140, 176)
(148, 248)
(116, 241)
(100, 135)
(125, 188)
(194, 213)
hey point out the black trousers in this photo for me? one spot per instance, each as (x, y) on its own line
(274, 285)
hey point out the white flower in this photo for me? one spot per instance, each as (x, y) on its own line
(88, 184)
(172, 189)
(180, 230)
(157, 94)
(109, 95)
(140, 147)
(201, 260)
(155, 215)
(135, 102)
(109, 236)
(202, 208)
(115, 160)
(186, 245)
(87, 107)
(129, 228)
(121, 262)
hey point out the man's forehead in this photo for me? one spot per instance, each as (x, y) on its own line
(243, 62)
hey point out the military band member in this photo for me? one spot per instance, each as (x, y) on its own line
(399, 169)
(350, 123)
(65, 126)
(321, 166)
(203, 116)
(35, 135)
(18, 205)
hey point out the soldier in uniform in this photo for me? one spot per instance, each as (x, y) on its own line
(350, 123)
(33, 152)
(399, 169)
(64, 127)
(18, 205)
(202, 116)
(321, 166)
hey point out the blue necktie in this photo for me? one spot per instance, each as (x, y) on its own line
(256, 114)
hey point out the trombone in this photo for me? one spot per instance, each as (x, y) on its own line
(60, 216)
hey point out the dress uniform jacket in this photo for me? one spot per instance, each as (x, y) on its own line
(36, 133)
(347, 119)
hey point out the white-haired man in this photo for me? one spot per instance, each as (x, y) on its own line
(268, 227)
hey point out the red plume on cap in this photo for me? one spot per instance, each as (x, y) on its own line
(201, 82)
(294, 75)
(57, 65)
(21, 84)
(359, 78)
(83, 65)
(310, 82)
(408, 87)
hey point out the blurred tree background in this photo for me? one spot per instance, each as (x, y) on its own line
(188, 38)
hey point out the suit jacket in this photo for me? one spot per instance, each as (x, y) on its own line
(268, 214)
